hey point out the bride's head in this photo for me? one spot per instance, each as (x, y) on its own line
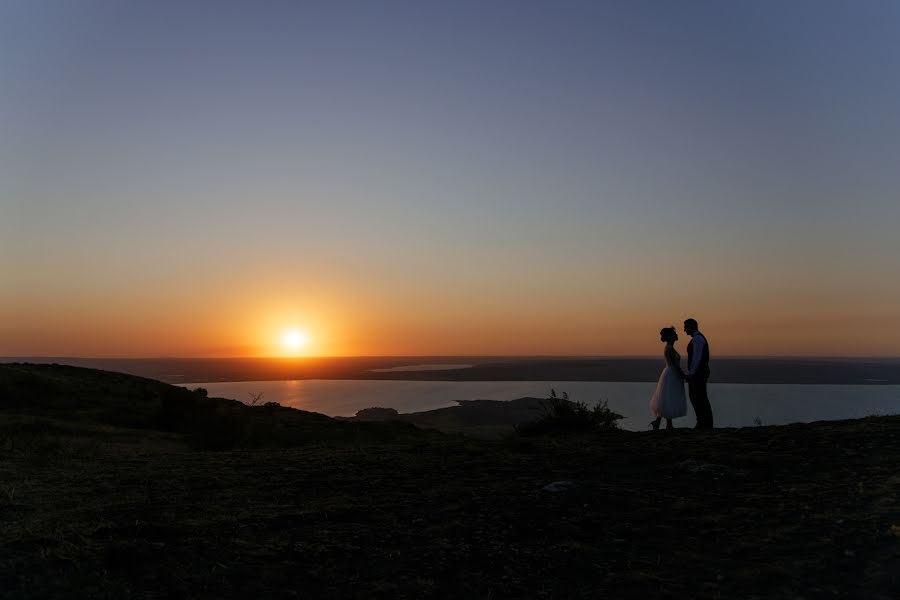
(668, 334)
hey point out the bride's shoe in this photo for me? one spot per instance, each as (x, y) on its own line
(655, 424)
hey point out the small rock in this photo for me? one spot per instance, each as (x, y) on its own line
(558, 486)
(717, 471)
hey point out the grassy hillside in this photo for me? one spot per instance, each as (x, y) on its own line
(107, 490)
(80, 404)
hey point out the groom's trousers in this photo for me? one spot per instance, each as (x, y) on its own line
(700, 402)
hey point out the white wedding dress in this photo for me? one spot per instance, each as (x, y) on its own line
(669, 401)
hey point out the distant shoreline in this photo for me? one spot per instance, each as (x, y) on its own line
(823, 371)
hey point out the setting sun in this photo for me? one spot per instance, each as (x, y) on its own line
(293, 340)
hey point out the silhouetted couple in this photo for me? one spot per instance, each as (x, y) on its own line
(668, 401)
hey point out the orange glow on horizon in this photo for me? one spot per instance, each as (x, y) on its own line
(378, 322)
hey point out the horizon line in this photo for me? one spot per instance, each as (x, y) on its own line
(470, 356)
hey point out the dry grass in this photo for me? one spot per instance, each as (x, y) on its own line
(785, 512)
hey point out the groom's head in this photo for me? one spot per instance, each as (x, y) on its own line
(690, 326)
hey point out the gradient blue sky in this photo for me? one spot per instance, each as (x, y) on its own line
(191, 178)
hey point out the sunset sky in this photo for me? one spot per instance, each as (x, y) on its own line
(448, 178)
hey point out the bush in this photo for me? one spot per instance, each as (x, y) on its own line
(565, 416)
(377, 413)
(178, 410)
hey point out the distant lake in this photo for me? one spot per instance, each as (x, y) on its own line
(734, 404)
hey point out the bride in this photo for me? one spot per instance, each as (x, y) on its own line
(668, 401)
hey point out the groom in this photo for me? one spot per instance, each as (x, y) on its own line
(698, 374)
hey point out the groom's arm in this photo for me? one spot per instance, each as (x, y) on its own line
(699, 344)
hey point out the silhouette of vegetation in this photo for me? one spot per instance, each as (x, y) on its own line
(377, 413)
(566, 416)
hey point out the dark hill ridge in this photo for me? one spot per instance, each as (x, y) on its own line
(61, 395)
(90, 508)
(833, 371)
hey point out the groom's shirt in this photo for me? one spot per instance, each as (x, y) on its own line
(698, 349)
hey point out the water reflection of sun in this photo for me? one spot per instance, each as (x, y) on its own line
(293, 341)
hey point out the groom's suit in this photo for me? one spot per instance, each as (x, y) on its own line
(698, 368)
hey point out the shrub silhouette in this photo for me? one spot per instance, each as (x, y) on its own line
(565, 416)
(377, 413)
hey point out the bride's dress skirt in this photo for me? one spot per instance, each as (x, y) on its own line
(669, 401)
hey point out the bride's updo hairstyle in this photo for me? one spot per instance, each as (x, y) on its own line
(668, 334)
